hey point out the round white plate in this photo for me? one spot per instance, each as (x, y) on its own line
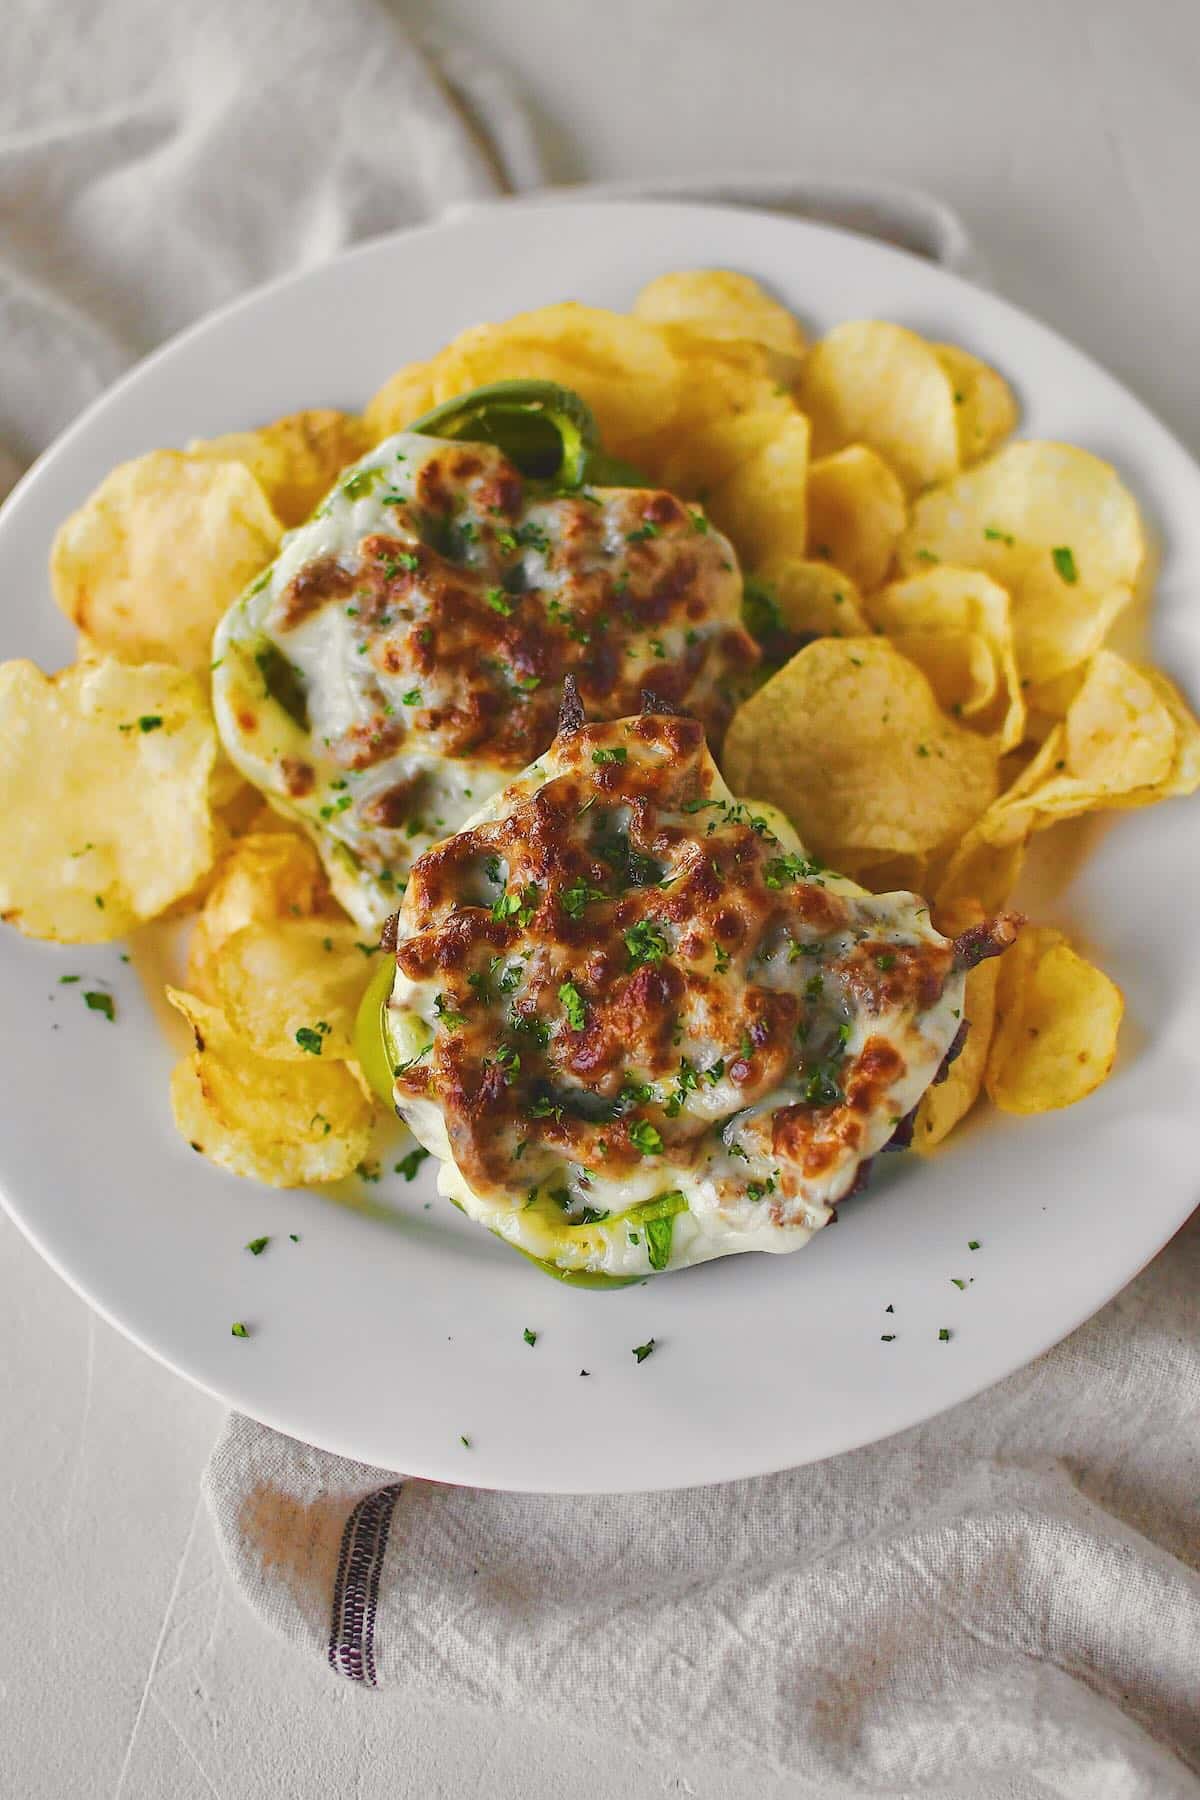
(391, 1332)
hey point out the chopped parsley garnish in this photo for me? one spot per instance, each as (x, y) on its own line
(645, 942)
(367, 949)
(648, 530)
(1064, 563)
(887, 1337)
(722, 957)
(646, 1138)
(499, 602)
(309, 1037)
(367, 1171)
(408, 1165)
(527, 683)
(465, 1442)
(973, 1244)
(147, 722)
(996, 536)
(508, 1059)
(944, 1335)
(642, 1351)
(294, 1236)
(66, 980)
(572, 1004)
(256, 1246)
(101, 1003)
(885, 960)
(591, 1215)
(699, 522)
(520, 907)
(783, 869)
(531, 1337)
(237, 1329)
(821, 1086)
(618, 755)
(446, 1012)
(715, 1072)
(814, 987)
(658, 1241)
(411, 698)
(532, 536)
(958, 1282)
(579, 894)
(356, 486)
(927, 556)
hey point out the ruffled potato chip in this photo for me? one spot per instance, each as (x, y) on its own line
(979, 869)
(296, 460)
(622, 367)
(876, 384)
(1127, 740)
(105, 796)
(813, 599)
(267, 877)
(949, 1101)
(723, 305)
(402, 398)
(849, 742)
(283, 1123)
(985, 405)
(150, 562)
(761, 505)
(1053, 525)
(703, 448)
(1057, 1020)
(947, 605)
(856, 513)
(292, 989)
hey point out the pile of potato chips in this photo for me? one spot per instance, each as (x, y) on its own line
(947, 594)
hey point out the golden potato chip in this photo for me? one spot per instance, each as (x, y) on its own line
(960, 668)
(296, 460)
(105, 800)
(877, 384)
(856, 513)
(849, 741)
(950, 1100)
(814, 599)
(1057, 1019)
(984, 403)
(402, 398)
(292, 987)
(980, 869)
(622, 368)
(149, 563)
(697, 453)
(761, 504)
(283, 1123)
(1120, 744)
(946, 604)
(723, 305)
(1052, 524)
(885, 874)
(268, 876)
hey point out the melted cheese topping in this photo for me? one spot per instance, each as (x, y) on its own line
(639, 1026)
(404, 656)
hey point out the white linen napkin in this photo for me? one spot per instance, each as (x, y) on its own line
(1006, 1596)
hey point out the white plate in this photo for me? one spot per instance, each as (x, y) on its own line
(390, 1337)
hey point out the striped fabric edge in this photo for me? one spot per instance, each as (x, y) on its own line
(356, 1587)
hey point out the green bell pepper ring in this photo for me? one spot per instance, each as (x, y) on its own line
(546, 430)
(375, 1051)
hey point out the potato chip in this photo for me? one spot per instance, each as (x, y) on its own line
(979, 869)
(944, 604)
(723, 305)
(697, 453)
(1057, 1019)
(944, 1104)
(856, 513)
(296, 460)
(621, 367)
(105, 797)
(849, 741)
(877, 384)
(885, 874)
(1119, 744)
(283, 1123)
(267, 876)
(814, 599)
(289, 988)
(150, 562)
(402, 398)
(762, 503)
(1053, 525)
(985, 406)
